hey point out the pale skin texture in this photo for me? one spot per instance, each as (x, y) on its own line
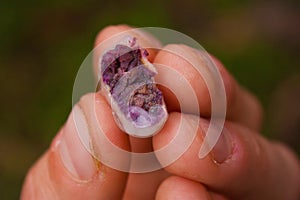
(254, 168)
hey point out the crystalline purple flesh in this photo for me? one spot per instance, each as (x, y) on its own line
(131, 85)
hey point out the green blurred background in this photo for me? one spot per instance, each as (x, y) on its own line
(43, 43)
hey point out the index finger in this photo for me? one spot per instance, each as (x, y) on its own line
(242, 106)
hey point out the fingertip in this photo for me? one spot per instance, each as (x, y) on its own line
(186, 60)
(111, 35)
(179, 74)
(109, 31)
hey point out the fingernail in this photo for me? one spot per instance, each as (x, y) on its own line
(74, 155)
(222, 150)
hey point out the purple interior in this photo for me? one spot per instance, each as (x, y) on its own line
(119, 62)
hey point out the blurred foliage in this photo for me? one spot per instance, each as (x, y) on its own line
(44, 42)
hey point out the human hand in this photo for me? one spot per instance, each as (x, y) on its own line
(243, 164)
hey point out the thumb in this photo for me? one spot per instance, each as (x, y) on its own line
(68, 171)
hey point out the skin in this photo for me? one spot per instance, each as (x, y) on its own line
(255, 168)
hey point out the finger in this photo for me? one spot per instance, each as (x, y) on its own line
(144, 186)
(180, 188)
(242, 162)
(135, 188)
(110, 36)
(176, 187)
(68, 170)
(241, 105)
